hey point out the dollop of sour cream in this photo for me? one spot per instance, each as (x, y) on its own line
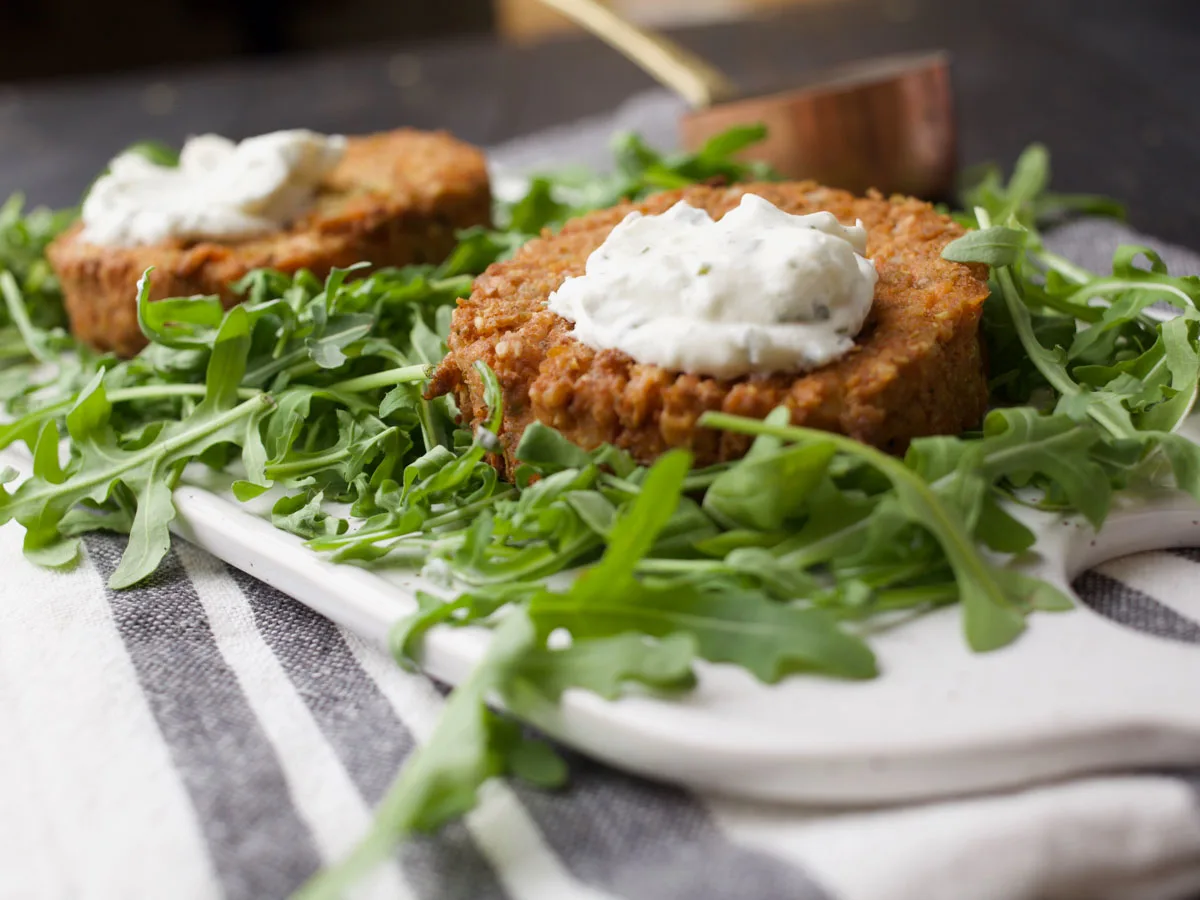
(758, 290)
(221, 190)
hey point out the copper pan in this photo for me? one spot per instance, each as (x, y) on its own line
(883, 123)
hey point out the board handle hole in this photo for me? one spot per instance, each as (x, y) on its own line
(1173, 618)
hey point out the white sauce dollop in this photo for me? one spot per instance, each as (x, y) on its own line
(221, 190)
(758, 290)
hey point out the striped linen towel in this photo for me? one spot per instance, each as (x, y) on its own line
(204, 736)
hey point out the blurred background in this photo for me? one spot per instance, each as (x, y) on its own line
(47, 38)
(1109, 85)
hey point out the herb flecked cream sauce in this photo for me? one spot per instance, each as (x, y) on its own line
(758, 290)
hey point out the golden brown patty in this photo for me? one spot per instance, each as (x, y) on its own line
(394, 199)
(917, 367)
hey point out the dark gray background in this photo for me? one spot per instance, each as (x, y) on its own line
(1112, 86)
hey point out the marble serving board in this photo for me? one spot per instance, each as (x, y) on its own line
(1076, 693)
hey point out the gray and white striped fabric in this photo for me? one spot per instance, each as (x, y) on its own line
(204, 736)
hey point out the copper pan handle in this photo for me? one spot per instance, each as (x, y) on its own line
(694, 79)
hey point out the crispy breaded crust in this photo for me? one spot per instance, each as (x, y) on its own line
(917, 368)
(395, 199)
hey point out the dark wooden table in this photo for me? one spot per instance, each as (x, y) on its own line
(1112, 86)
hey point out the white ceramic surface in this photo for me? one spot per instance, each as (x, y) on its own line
(1075, 693)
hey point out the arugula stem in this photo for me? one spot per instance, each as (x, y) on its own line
(154, 451)
(410, 549)
(430, 788)
(154, 391)
(301, 370)
(11, 431)
(755, 427)
(540, 567)
(1103, 286)
(398, 813)
(375, 536)
(903, 598)
(324, 460)
(697, 481)
(265, 371)
(20, 316)
(1055, 375)
(897, 599)
(1092, 287)
(620, 484)
(1081, 311)
(468, 511)
(123, 395)
(996, 461)
(431, 433)
(407, 540)
(652, 566)
(387, 378)
(310, 464)
(881, 580)
(1064, 267)
(1054, 372)
(383, 534)
(817, 550)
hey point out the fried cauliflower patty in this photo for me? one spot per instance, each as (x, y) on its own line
(394, 199)
(916, 368)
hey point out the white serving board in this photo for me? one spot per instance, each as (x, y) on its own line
(1076, 693)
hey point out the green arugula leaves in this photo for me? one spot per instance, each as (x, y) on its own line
(32, 319)
(639, 171)
(595, 573)
(1088, 338)
(292, 386)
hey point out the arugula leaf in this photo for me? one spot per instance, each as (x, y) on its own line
(1025, 196)
(635, 532)
(606, 666)
(24, 237)
(37, 342)
(156, 152)
(549, 451)
(991, 617)
(180, 323)
(730, 625)
(553, 198)
(720, 147)
(995, 246)
(538, 209)
(1019, 442)
(472, 744)
(100, 464)
(1000, 531)
(1184, 457)
(769, 489)
(305, 516)
(441, 779)
(1181, 358)
(32, 315)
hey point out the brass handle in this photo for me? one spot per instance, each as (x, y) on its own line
(699, 83)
